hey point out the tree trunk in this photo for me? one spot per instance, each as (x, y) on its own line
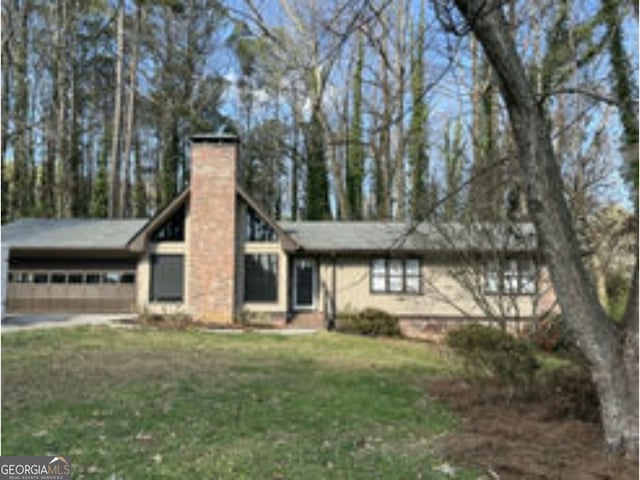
(399, 170)
(114, 174)
(4, 115)
(125, 195)
(295, 154)
(612, 350)
(21, 175)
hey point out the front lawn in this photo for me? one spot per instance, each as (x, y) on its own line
(131, 404)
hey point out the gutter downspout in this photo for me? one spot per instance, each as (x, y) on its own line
(332, 318)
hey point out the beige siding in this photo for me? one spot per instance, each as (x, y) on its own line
(442, 295)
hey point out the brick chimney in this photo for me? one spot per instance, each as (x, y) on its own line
(211, 236)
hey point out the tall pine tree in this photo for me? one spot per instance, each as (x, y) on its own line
(355, 156)
(418, 133)
(317, 201)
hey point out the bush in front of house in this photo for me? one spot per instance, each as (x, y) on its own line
(370, 321)
(166, 321)
(552, 334)
(489, 351)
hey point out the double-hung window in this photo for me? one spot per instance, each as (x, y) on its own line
(510, 277)
(395, 275)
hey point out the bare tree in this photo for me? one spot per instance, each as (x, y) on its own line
(114, 179)
(611, 348)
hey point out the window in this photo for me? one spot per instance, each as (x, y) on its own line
(111, 277)
(128, 277)
(76, 278)
(23, 277)
(528, 275)
(93, 278)
(395, 275)
(510, 277)
(58, 278)
(491, 277)
(257, 229)
(261, 278)
(412, 275)
(173, 229)
(167, 278)
(40, 278)
(378, 275)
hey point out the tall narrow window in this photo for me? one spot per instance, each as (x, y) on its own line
(510, 277)
(528, 276)
(167, 278)
(257, 229)
(492, 277)
(171, 230)
(378, 275)
(412, 275)
(261, 278)
(396, 275)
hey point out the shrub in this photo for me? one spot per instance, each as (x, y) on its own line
(551, 335)
(168, 321)
(493, 352)
(369, 321)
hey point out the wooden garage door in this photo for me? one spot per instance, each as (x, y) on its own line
(73, 291)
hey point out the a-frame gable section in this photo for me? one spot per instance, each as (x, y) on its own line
(288, 243)
(137, 242)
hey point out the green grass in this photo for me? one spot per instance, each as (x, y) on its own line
(157, 404)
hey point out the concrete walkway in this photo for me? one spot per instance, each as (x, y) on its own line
(16, 323)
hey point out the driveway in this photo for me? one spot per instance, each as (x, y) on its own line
(14, 323)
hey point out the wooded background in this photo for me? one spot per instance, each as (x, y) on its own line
(346, 109)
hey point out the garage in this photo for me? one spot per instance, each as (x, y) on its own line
(72, 267)
(71, 286)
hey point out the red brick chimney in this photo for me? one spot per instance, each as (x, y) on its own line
(211, 235)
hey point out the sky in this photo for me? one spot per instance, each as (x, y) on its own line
(448, 62)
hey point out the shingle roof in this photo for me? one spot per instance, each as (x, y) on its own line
(380, 236)
(80, 233)
(94, 234)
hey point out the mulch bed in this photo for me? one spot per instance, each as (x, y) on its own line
(184, 322)
(517, 438)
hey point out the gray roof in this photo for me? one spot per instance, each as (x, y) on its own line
(95, 234)
(72, 233)
(380, 236)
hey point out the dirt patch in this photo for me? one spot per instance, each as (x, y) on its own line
(514, 438)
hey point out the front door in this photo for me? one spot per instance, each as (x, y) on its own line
(304, 278)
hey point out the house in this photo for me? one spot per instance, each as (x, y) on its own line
(214, 253)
